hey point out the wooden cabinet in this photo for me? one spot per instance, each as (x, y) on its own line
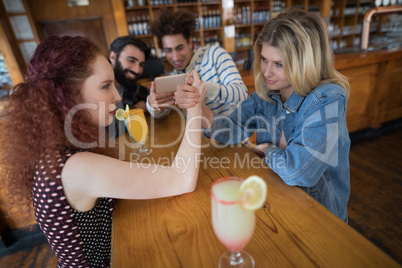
(376, 87)
(247, 16)
(344, 20)
(250, 17)
(214, 19)
(207, 15)
(391, 78)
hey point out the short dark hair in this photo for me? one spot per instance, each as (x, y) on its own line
(121, 42)
(172, 23)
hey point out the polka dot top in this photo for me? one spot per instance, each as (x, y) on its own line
(79, 239)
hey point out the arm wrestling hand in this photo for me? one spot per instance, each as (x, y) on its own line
(193, 92)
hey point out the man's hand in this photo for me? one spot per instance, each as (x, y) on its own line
(160, 101)
(189, 94)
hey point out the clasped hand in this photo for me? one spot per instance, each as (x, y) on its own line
(186, 96)
(190, 94)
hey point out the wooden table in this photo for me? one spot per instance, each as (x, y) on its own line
(292, 229)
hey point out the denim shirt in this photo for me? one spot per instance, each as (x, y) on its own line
(317, 154)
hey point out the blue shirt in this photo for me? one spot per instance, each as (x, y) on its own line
(317, 154)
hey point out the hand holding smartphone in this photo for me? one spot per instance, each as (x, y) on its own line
(167, 84)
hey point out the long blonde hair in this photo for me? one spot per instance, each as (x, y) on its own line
(301, 39)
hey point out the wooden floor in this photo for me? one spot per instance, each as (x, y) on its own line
(40, 256)
(374, 207)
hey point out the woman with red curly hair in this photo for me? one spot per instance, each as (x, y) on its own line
(50, 128)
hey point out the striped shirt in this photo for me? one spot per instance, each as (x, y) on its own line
(218, 71)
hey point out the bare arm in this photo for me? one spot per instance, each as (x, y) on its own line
(88, 176)
(208, 117)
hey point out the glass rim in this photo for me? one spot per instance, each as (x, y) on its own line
(220, 200)
(135, 111)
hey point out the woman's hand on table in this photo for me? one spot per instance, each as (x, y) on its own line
(260, 149)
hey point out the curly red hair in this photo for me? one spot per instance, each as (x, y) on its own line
(32, 121)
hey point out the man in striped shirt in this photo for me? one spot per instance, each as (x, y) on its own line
(214, 65)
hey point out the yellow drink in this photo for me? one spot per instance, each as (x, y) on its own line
(137, 125)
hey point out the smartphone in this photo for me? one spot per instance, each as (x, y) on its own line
(165, 84)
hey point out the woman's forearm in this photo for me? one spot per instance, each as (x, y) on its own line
(207, 117)
(189, 152)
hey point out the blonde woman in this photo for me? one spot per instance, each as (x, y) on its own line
(298, 110)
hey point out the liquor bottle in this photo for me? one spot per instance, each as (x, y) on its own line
(197, 23)
(244, 15)
(144, 25)
(205, 20)
(130, 26)
(239, 17)
(134, 26)
(130, 3)
(139, 25)
(211, 18)
(248, 14)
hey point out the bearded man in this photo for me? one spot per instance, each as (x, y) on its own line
(127, 57)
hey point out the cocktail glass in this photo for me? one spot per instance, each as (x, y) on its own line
(138, 129)
(233, 225)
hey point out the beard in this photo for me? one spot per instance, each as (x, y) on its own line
(122, 79)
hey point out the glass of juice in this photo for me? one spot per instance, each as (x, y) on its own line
(138, 129)
(233, 225)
